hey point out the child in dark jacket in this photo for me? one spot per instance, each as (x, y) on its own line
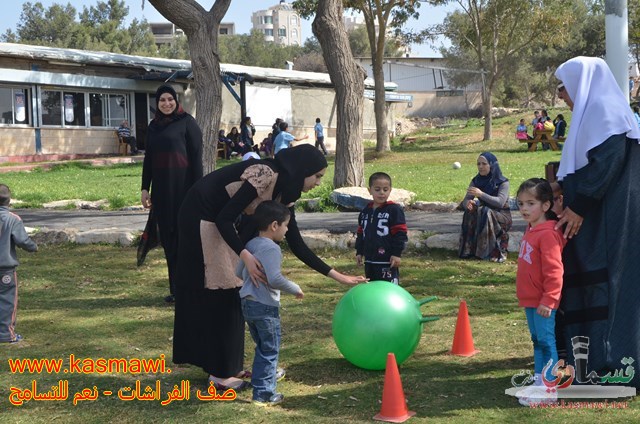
(382, 232)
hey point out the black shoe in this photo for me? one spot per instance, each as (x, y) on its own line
(170, 299)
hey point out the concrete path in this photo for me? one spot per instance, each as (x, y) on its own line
(439, 229)
(336, 223)
(320, 230)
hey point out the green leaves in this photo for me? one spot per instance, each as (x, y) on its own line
(99, 27)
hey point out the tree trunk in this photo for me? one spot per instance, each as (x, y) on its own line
(201, 28)
(486, 106)
(380, 106)
(373, 15)
(348, 79)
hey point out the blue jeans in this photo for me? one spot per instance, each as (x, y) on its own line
(264, 326)
(543, 336)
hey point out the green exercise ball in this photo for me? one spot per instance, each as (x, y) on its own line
(377, 318)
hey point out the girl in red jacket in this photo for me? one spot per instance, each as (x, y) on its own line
(539, 276)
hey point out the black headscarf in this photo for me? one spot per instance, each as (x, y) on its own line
(296, 164)
(490, 183)
(162, 120)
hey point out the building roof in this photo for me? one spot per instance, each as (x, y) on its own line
(161, 67)
(88, 57)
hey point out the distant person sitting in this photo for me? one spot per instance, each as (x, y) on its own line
(266, 146)
(125, 132)
(521, 131)
(232, 147)
(284, 139)
(547, 125)
(536, 119)
(237, 146)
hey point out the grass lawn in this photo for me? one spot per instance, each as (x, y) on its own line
(424, 167)
(92, 302)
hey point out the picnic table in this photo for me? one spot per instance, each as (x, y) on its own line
(543, 136)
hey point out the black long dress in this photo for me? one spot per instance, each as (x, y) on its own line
(172, 164)
(601, 292)
(209, 326)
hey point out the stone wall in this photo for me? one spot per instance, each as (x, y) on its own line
(93, 141)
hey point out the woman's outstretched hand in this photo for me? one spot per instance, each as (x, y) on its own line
(572, 220)
(348, 280)
(254, 267)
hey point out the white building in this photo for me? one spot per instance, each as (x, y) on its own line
(353, 22)
(280, 24)
(426, 79)
(167, 32)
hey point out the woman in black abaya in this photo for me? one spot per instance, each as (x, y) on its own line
(172, 164)
(209, 326)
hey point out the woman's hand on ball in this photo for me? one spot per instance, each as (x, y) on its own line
(348, 280)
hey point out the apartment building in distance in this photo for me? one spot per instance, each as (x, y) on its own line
(166, 32)
(280, 24)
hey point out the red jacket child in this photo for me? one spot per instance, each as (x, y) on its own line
(539, 276)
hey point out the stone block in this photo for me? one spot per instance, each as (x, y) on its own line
(45, 236)
(106, 235)
(357, 198)
(435, 206)
(321, 239)
(309, 205)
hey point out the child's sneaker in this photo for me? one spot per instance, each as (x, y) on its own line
(280, 373)
(273, 400)
(17, 339)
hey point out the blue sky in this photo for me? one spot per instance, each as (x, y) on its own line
(239, 12)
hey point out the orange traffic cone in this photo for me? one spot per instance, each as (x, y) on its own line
(394, 406)
(462, 339)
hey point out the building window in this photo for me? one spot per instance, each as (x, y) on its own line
(294, 34)
(63, 108)
(268, 32)
(267, 19)
(294, 21)
(15, 106)
(224, 31)
(108, 110)
(73, 109)
(282, 32)
(51, 107)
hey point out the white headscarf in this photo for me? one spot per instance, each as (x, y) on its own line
(600, 110)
